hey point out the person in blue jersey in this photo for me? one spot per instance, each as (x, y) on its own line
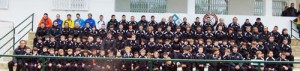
(90, 20)
(58, 20)
(80, 21)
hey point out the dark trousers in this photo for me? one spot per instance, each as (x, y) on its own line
(11, 65)
(30, 67)
(187, 68)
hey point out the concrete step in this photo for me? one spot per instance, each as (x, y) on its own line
(295, 42)
(29, 42)
(31, 36)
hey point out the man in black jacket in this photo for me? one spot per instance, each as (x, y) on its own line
(18, 61)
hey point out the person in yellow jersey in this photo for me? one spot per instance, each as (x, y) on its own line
(69, 20)
(297, 21)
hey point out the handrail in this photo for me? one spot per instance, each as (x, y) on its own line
(151, 60)
(14, 32)
(292, 29)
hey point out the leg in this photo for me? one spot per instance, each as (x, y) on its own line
(19, 66)
(10, 65)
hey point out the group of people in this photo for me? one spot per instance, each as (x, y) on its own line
(154, 40)
(290, 11)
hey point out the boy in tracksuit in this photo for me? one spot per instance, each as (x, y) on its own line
(110, 64)
(169, 65)
(50, 62)
(136, 64)
(235, 55)
(143, 64)
(70, 63)
(127, 64)
(270, 66)
(215, 66)
(60, 63)
(285, 66)
(156, 64)
(29, 63)
(186, 66)
(200, 55)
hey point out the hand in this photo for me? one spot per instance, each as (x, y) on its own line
(59, 65)
(68, 64)
(39, 66)
(26, 64)
(108, 66)
(183, 65)
(237, 67)
(83, 65)
(75, 65)
(201, 65)
(50, 64)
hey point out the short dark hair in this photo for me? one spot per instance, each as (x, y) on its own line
(45, 14)
(77, 14)
(68, 14)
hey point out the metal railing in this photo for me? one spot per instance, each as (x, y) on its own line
(13, 31)
(294, 30)
(151, 61)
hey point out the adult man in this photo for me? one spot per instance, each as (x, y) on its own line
(100, 23)
(69, 21)
(58, 20)
(80, 21)
(292, 11)
(18, 61)
(46, 21)
(90, 20)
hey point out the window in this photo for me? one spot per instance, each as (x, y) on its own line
(278, 7)
(4, 4)
(259, 8)
(211, 6)
(149, 6)
(70, 4)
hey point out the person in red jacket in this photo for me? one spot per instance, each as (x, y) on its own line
(46, 21)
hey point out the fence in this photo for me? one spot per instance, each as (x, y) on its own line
(43, 58)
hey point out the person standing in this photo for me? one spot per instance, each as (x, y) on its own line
(46, 21)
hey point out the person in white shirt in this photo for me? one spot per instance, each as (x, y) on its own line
(100, 23)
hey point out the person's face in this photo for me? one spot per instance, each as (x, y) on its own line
(120, 37)
(57, 16)
(143, 53)
(152, 18)
(151, 39)
(235, 20)
(89, 16)
(69, 17)
(285, 41)
(102, 53)
(163, 20)
(275, 28)
(292, 5)
(220, 28)
(123, 17)
(44, 49)
(143, 18)
(235, 50)
(270, 54)
(136, 55)
(113, 17)
(132, 19)
(184, 19)
(77, 16)
(156, 55)
(45, 16)
(247, 21)
(42, 25)
(51, 52)
(200, 50)
(22, 44)
(285, 32)
(87, 25)
(27, 50)
(101, 17)
(265, 29)
(197, 20)
(271, 39)
(55, 23)
(70, 52)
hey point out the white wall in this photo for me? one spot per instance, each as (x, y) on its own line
(19, 9)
